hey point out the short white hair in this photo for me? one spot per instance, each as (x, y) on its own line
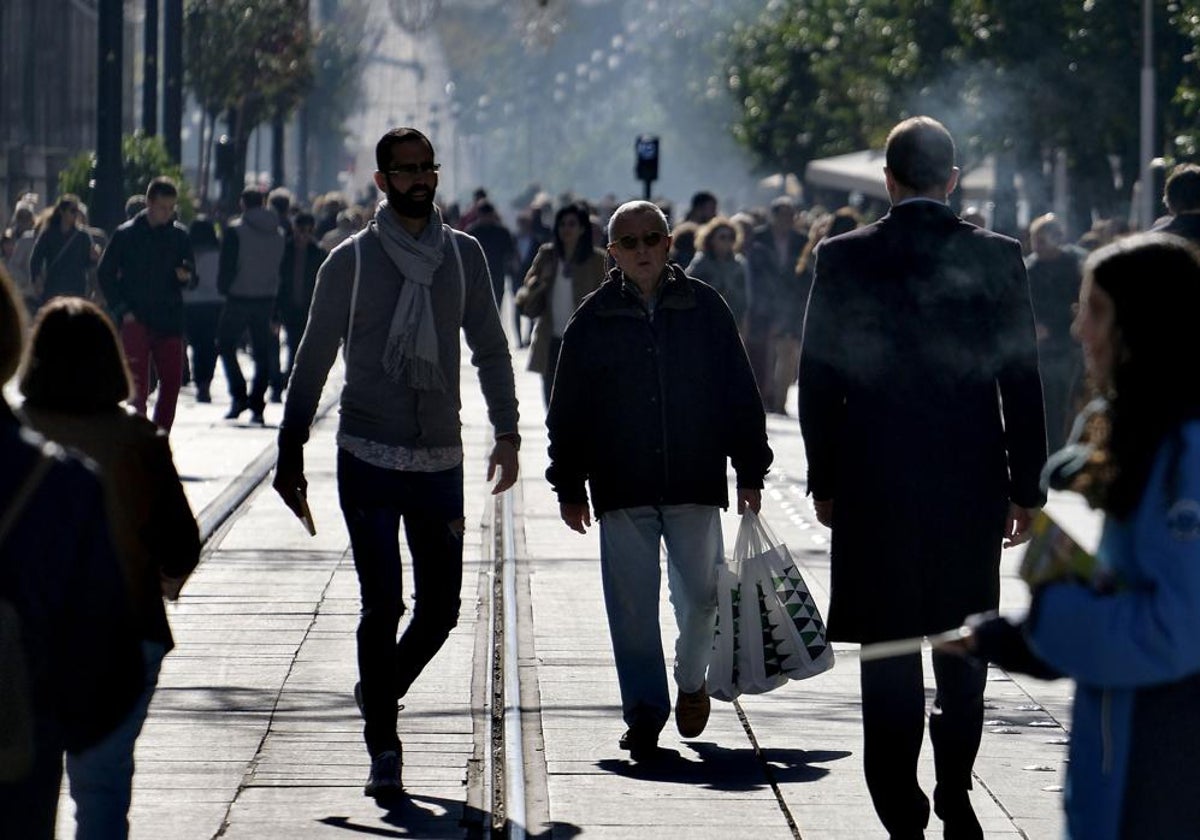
(633, 208)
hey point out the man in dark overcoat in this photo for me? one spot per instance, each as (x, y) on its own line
(922, 416)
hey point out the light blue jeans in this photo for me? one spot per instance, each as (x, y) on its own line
(101, 777)
(631, 572)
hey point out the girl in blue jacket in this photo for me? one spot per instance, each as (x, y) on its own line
(1131, 642)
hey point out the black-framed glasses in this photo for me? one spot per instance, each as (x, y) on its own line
(410, 169)
(630, 242)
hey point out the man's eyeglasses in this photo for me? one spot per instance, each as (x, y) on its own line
(650, 240)
(410, 169)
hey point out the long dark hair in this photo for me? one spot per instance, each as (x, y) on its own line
(52, 219)
(74, 363)
(1154, 282)
(584, 247)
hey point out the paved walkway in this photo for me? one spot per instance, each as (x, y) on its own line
(254, 734)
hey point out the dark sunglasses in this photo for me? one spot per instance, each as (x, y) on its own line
(413, 168)
(630, 242)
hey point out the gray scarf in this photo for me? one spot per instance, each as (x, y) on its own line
(410, 356)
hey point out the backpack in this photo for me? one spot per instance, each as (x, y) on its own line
(16, 704)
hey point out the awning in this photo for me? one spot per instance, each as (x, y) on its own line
(862, 172)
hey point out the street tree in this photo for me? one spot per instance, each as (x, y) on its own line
(249, 60)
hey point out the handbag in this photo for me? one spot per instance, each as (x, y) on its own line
(768, 628)
(531, 300)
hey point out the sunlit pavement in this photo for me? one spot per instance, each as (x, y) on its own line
(254, 734)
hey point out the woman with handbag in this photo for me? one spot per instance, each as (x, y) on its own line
(62, 253)
(563, 273)
(1130, 635)
(74, 381)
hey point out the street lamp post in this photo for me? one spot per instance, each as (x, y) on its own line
(107, 200)
(150, 70)
(1146, 156)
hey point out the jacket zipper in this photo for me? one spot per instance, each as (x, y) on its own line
(1106, 757)
(662, 403)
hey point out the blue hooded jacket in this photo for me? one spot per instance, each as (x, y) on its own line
(1129, 650)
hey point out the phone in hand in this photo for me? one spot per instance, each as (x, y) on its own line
(306, 516)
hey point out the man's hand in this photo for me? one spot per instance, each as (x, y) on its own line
(504, 457)
(1016, 527)
(183, 274)
(748, 498)
(128, 318)
(577, 516)
(824, 511)
(290, 482)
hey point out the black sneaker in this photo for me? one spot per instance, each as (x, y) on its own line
(256, 417)
(958, 817)
(384, 780)
(235, 410)
(641, 743)
(202, 394)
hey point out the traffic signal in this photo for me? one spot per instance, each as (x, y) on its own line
(647, 157)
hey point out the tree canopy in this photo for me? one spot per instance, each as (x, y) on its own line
(252, 59)
(1020, 78)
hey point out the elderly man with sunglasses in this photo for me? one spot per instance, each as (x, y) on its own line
(653, 393)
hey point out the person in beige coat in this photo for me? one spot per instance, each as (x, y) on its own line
(555, 285)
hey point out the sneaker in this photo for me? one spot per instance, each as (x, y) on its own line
(384, 780)
(641, 743)
(691, 712)
(256, 417)
(957, 816)
(202, 394)
(235, 410)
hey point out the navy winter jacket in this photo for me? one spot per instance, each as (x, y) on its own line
(648, 405)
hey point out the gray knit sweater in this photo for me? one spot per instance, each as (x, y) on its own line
(374, 407)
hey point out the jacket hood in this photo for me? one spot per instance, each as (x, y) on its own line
(261, 219)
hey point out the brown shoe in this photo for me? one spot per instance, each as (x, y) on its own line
(691, 712)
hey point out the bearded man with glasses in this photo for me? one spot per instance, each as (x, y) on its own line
(396, 296)
(653, 393)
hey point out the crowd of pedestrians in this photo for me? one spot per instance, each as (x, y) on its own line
(940, 368)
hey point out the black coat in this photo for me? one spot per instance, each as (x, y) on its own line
(648, 409)
(921, 409)
(1186, 225)
(137, 273)
(288, 310)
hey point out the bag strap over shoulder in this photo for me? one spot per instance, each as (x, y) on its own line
(353, 292)
(462, 275)
(24, 493)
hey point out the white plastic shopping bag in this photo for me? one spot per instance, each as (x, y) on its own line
(769, 629)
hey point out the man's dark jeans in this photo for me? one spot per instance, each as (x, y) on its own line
(239, 316)
(374, 500)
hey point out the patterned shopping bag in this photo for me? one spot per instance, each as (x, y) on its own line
(769, 629)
